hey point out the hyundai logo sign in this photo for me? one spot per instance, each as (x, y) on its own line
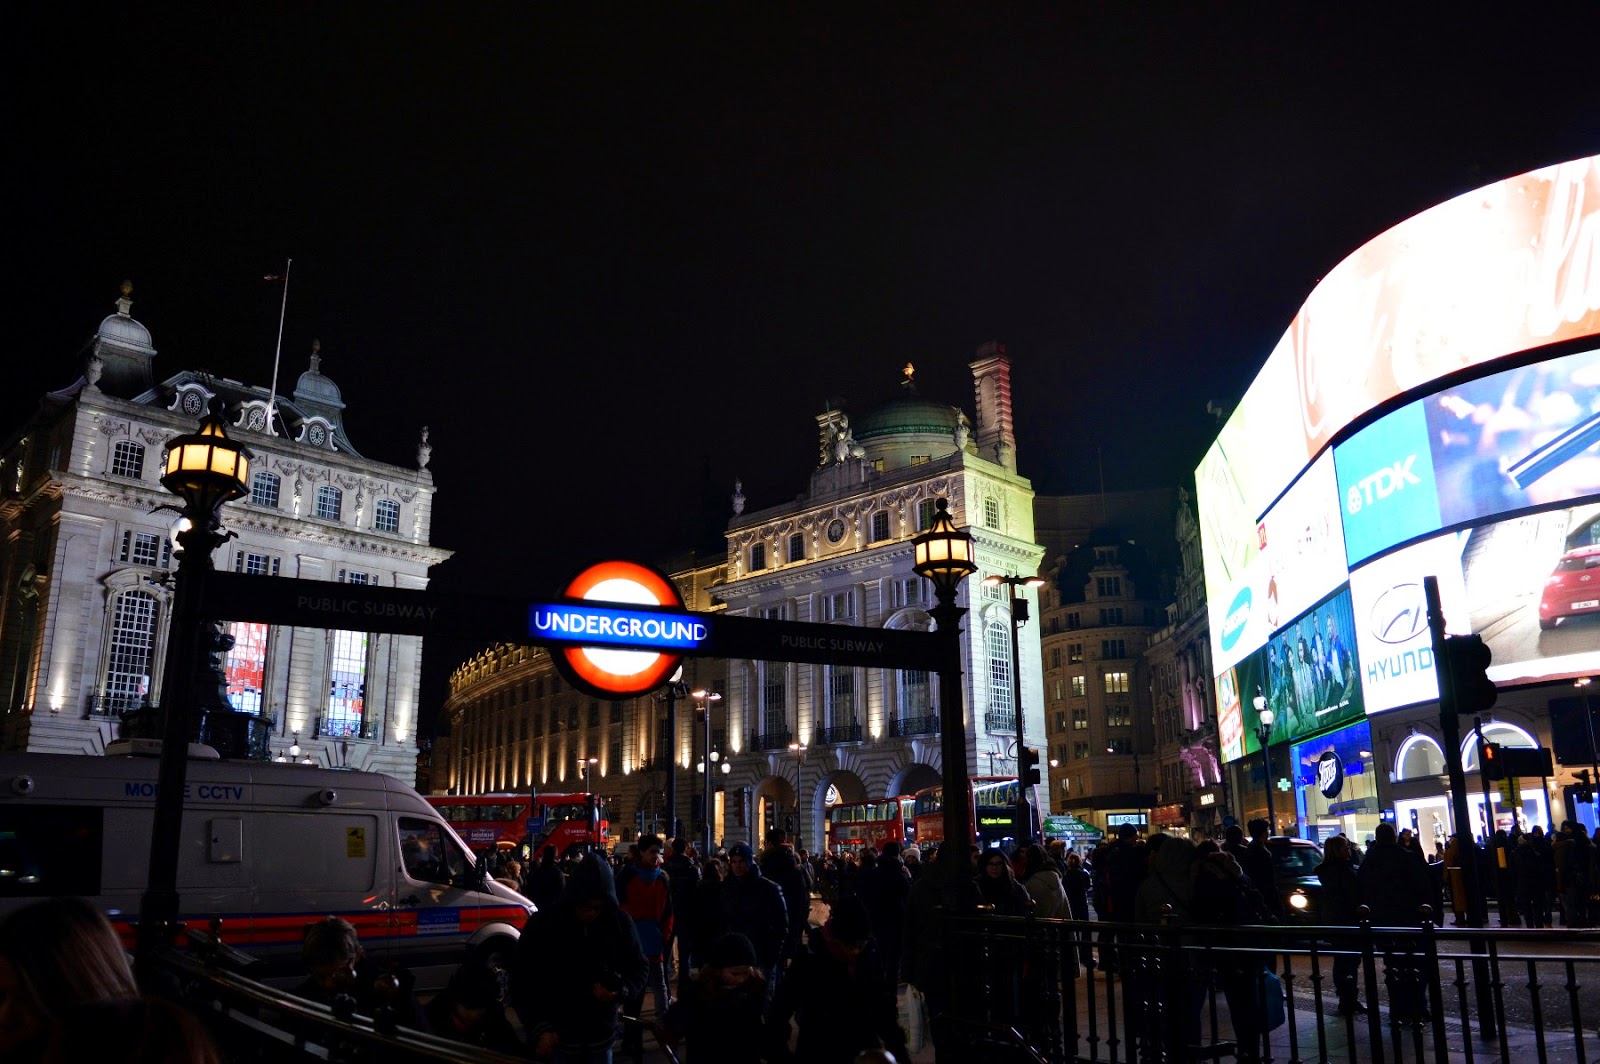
(1400, 614)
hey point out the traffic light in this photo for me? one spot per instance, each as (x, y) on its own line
(1493, 767)
(1584, 791)
(1467, 659)
(1028, 765)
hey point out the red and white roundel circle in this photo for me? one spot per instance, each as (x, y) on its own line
(621, 673)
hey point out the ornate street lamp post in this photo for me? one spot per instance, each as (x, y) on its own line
(943, 555)
(1019, 617)
(1264, 737)
(588, 764)
(205, 469)
(703, 699)
(675, 690)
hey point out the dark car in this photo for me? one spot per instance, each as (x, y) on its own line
(1299, 890)
(1573, 589)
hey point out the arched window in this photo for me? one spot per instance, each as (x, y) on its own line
(1496, 731)
(1419, 758)
(132, 650)
(264, 489)
(1002, 707)
(246, 665)
(386, 516)
(127, 460)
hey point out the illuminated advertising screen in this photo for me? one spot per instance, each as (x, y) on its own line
(1533, 593)
(1308, 674)
(1297, 556)
(1488, 458)
(1527, 437)
(1392, 637)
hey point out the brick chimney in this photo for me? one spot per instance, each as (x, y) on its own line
(991, 381)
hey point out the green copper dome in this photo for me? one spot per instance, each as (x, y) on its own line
(909, 413)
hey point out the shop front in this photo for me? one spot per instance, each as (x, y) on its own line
(1336, 787)
(1420, 793)
(1171, 819)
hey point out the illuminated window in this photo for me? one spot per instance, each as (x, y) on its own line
(386, 516)
(1116, 683)
(347, 684)
(330, 500)
(1057, 689)
(1074, 653)
(246, 666)
(133, 640)
(758, 557)
(914, 695)
(1119, 715)
(1000, 695)
(991, 513)
(127, 460)
(921, 459)
(841, 695)
(144, 548)
(1080, 720)
(264, 489)
(1080, 686)
(880, 526)
(1080, 750)
(797, 547)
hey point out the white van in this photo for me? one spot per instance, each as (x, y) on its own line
(266, 847)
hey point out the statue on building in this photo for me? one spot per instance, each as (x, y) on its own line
(93, 367)
(738, 497)
(963, 430)
(844, 442)
(424, 450)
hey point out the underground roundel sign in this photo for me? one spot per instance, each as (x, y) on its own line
(618, 602)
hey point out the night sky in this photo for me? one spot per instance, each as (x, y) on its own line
(616, 260)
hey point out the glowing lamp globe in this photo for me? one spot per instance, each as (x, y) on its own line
(206, 468)
(943, 553)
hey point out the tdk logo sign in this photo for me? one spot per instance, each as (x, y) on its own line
(1382, 484)
(1386, 479)
(1234, 624)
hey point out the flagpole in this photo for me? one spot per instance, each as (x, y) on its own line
(277, 354)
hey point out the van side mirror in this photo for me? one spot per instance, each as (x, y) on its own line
(475, 878)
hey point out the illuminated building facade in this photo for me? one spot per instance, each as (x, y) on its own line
(1101, 608)
(841, 553)
(86, 559)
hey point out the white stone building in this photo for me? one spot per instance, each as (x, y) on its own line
(86, 558)
(842, 553)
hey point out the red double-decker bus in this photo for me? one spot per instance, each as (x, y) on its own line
(859, 825)
(501, 820)
(993, 800)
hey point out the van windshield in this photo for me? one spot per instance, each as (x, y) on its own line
(429, 855)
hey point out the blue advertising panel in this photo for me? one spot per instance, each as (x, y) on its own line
(1386, 483)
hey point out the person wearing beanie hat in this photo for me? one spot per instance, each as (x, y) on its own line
(752, 905)
(721, 1015)
(839, 992)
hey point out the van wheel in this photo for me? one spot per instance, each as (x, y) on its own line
(495, 952)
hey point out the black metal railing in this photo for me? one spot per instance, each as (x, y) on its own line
(114, 706)
(1091, 991)
(839, 733)
(924, 725)
(362, 727)
(1003, 721)
(777, 740)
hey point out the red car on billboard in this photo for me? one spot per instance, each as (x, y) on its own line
(1573, 589)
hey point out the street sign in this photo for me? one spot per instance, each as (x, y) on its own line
(613, 638)
(297, 603)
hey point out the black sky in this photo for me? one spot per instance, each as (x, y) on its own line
(616, 257)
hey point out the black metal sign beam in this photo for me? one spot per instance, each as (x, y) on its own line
(298, 603)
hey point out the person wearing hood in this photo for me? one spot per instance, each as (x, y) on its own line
(575, 964)
(1168, 881)
(839, 993)
(1044, 886)
(997, 887)
(546, 881)
(753, 906)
